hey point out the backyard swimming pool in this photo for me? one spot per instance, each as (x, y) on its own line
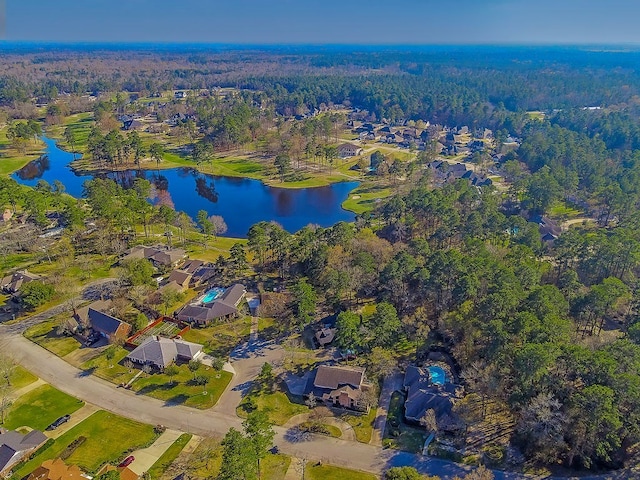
(438, 377)
(212, 294)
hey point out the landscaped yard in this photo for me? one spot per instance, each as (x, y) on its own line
(276, 404)
(398, 434)
(219, 340)
(182, 389)
(179, 389)
(39, 408)
(109, 438)
(329, 472)
(44, 334)
(362, 424)
(167, 458)
(20, 378)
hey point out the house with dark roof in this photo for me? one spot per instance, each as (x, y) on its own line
(109, 327)
(130, 125)
(191, 266)
(159, 256)
(224, 306)
(81, 315)
(12, 283)
(179, 278)
(14, 446)
(423, 395)
(342, 387)
(325, 336)
(161, 352)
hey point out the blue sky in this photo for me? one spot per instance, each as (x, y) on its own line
(324, 21)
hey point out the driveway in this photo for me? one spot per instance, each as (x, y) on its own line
(146, 457)
(391, 384)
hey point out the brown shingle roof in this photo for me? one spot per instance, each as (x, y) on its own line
(332, 377)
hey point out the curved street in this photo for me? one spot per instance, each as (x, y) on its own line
(218, 420)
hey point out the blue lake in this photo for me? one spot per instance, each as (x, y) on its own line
(241, 202)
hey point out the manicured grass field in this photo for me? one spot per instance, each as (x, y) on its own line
(167, 458)
(219, 340)
(276, 404)
(20, 378)
(40, 407)
(44, 334)
(329, 472)
(365, 198)
(181, 388)
(109, 438)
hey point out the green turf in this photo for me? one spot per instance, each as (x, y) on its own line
(20, 378)
(397, 433)
(44, 334)
(219, 340)
(329, 472)
(277, 405)
(40, 407)
(167, 458)
(109, 438)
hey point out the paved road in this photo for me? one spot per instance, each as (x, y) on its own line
(217, 421)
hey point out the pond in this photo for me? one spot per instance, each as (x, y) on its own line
(242, 202)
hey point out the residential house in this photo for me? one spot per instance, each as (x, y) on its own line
(109, 327)
(125, 472)
(161, 352)
(224, 306)
(180, 279)
(339, 387)
(202, 275)
(130, 125)
(180, 94)
(325, 336)
(81, 315)
(347, 150)
(12, 283)
(159, 256)
(191, 266)
(423, 395)
(14, 446)
(56, 469)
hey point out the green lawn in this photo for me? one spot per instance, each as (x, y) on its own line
(362, 424)
(276, 404)
(329, 472)
(167, 458)
(20, 378)
(181, 388)
(365, 198)
(214, 247)
(40, 407)
(563, 210)
(397, 433)
(44, 334)
(219, 340)
(274, 467)
(109, 438)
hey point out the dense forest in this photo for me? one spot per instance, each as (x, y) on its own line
(548, 332)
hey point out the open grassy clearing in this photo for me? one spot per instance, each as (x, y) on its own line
(329, 472)
(362, 424)
(219, 340)
(109, 438)
(366, 198)
(11, 159)
(167, 458)
(40, 407)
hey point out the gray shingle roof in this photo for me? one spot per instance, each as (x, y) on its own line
(13, 446)
(161, 351)
(103, 323)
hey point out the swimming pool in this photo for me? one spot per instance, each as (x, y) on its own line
(212, 294)
(438, 377)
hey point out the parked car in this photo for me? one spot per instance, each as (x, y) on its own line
(58, 422)
(91, 339)
(127, 461)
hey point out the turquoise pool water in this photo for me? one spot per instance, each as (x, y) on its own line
(438, 377)
(212, 294)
